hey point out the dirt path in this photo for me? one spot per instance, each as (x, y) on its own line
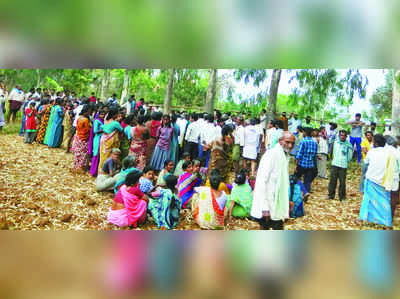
(38, 190)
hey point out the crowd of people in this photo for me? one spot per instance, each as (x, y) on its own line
(217, 165)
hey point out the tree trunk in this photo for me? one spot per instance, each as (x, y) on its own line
(38, 78)
(125, 88)
(104, 85)
(211, 92)
(168, 92)
(396, 104)
(273, 93)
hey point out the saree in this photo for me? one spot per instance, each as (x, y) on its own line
(80, 143)
(174, 148)
(97, 133)
(375, 206)
(67, 124)
(186, 184)
(243, 198)
(297, 200)
(138, 148)
(221, 159)
(152, 141)
(43, 124)
(55, 136)
(49, 125)
(125, 141)
(206, 210)
(108, 141)
(165, 210)
(134, 211)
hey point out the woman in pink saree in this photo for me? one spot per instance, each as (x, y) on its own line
(130, 204)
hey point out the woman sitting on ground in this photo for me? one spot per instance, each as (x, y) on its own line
(130, 204)
(165, 207)
(168, 170)
(222, 186)
(241, 198)
(208, 205)
(186, 184)
(108, 175)
(128, 165)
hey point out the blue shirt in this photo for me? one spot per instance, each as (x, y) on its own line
(307, 152)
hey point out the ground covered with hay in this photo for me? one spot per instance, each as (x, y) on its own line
(40, 191)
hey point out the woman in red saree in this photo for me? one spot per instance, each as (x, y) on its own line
(139, 136)
(153, 126)
(81, 140)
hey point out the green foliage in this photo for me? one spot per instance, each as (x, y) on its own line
(381, 99)
(317, 86)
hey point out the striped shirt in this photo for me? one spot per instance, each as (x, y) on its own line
(307, 153)
(342, 153)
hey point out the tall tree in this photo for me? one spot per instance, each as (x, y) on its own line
(211, 91)
(169, 91)
(273, 91)
(104, 84)
(396, 103)
(125, 88)
(381, 99)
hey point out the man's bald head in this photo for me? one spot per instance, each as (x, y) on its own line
(287, 141)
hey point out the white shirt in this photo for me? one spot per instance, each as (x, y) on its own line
(293, 124)
(181, 122)
(323, 146)
(207, 133)
(260, 129)
(376, 160)
(16, 96)
(239, 135)
(77, 111)
(270, 133)
(251, 142)
(217, 132)
(193, 132)
(263, 120)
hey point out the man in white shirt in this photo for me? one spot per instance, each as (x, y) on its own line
(294, 123)
(192, 137)
(237, 151)
(380, 176)
(113, 100)
(252, 139)
(207, 135)
(16, 99)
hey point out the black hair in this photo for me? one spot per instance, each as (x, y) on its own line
(166, 162)
(240, 179)
(85, 109)
(244, 171)
(226, 130)
(215, 171)
(169, 119)
(133, 178)
(379, 140)
(157, 116)
(373, 124)
(358, 114)
(252, 122)
(174, 118)
(215, 181)
(140, 119)
(308, 131)
(112, 114)
(210, 118)
(186, 164)
(369, 132)
(185, 155)
(194, 116)
(343, 132)
(279, 123)
(32, 90)
(128, 162)
(171, 181)
(147, 169)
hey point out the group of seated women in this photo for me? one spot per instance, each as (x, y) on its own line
(213, 203)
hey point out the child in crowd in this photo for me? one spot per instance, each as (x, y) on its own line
(178, 169)
(146, 181)
(296, 189)
(30, 123)
(168, 169)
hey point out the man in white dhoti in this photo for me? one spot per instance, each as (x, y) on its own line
(271, 192)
